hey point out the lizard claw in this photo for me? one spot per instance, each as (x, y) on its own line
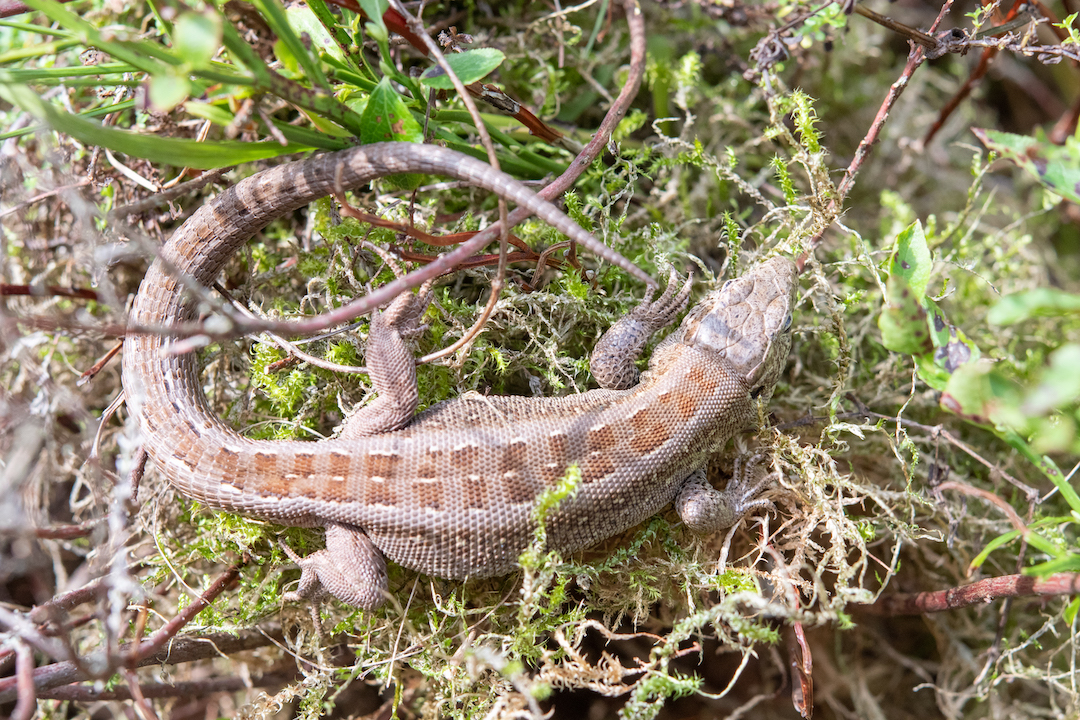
(661, 312)
(404, 312)
(705, 510)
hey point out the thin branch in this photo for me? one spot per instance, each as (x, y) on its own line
(181, 650)
(201, 688)
(162, 636)
(978, 593)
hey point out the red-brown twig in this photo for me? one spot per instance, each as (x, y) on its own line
(166, 633)
(977, 593)
(45, 195)
(57, 606)
(201, 688)
(7, 290)
(24, 677)
(77, 668)
(916, 58)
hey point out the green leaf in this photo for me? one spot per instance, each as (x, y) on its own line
(470, 66)
(168, 90)
(903, 320)
(1057, 167)
(385, 118)
(304, 21)
(977, 393)
(196, 37)
(209, 111)
(912, 323)
(375, 26)
(1059, 385)
(274, 14)
(911, 259)
(179, 152)
(1074, 606)
(1039, 302)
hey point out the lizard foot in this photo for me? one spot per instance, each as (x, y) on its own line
(404, 312)
(706, 510)
(613, 358)
(351, 569)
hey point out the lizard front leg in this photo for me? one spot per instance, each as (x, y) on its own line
(614, 357)
(706, 510)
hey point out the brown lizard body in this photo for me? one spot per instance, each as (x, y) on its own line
(452, 491)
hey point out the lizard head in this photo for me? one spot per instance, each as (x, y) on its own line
(748, 321)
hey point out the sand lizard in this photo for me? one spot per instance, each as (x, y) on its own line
(451, 491)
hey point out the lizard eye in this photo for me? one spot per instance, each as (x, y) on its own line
(726, 284)
(787, 323)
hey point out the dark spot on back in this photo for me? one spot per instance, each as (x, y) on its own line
(428, 494)
(379, 464)
(304, 464)
(465, 457)
(379, 493)
(597, 467)
(513, 458)
(600, 438)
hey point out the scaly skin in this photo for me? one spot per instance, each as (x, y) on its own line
(451, 492)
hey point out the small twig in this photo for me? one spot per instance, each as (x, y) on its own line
(24, 675)
(165, 196)
(162, 636)
(927, 41)
(146, 711)
(180, 650)
(977, 593)
(916, 58)
(95, 447)
(7, 290)
(201, 688)
(50, 611)
(990, 497)
(410, 230)
(45, 195)
(67, 532)
(470, 335)
(89, 374)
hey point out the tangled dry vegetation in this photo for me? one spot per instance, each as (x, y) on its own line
(759, 128)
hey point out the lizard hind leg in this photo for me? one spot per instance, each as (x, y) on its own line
(392, 367)
(706, 510)
(351, 569)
